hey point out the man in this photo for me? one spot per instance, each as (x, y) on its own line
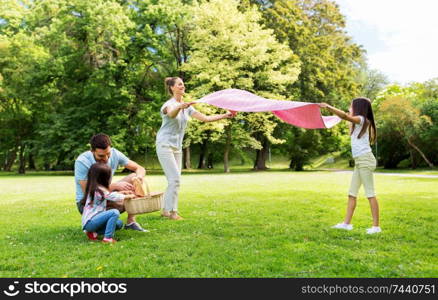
(101, 151)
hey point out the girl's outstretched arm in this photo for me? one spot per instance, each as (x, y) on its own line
(341, 114)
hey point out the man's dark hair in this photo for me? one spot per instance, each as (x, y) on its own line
(101, 141)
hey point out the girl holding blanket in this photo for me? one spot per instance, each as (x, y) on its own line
(95, 218)
(175, 114)
(362, 132)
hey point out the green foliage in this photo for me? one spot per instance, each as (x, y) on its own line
(373, 82)
(92, 56)
(406, 121)
(70, 69)
(315, 31)
(23, 70)
(429, 137)
(89, 68)
(230, 49)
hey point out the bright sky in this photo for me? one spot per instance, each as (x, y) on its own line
(400, 36)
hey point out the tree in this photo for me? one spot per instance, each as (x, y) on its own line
(428, 106)
(102, 71)
(405, 121)
(164, 30)
(429, 137)
(422, 98)
(224, 43)
(373, 82)
(315, 31)
(23, 91)
(330, 63)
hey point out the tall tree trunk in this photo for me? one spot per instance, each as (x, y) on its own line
(262, 155)
(22, 160)
(179, 49)
(10, 159)
(421, 153)
(31, 163)
(186, 158)
(60, 161)
(3, 156)
(291, 164)
(203, 155)
(5, 160)
(413, 160)
(210, 161)
(296, 164)
(227, 149)
(299, 166)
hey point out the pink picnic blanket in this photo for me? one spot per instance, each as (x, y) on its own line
(301, 114)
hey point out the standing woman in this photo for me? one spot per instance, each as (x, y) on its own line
(362, 132)
(176, 113)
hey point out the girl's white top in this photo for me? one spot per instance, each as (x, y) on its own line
(99, 204)
(360, 146)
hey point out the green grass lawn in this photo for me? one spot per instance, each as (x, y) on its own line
(243, 224)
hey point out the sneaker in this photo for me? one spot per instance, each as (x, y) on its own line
(135, 226)
(343, 226)
(92, 236)
(109, 241)
(373, 230)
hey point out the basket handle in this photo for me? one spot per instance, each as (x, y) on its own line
(145, 183)
(140, 187)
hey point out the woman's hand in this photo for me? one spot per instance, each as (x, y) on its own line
(185, 105)
(323, 105)
(231, 114)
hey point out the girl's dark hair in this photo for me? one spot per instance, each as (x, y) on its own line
(169, 82)
(98, 174)
(362, 107)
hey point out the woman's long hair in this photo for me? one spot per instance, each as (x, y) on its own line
(98, 174)
(362, 107)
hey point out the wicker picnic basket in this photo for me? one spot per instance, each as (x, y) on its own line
(146, 202)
